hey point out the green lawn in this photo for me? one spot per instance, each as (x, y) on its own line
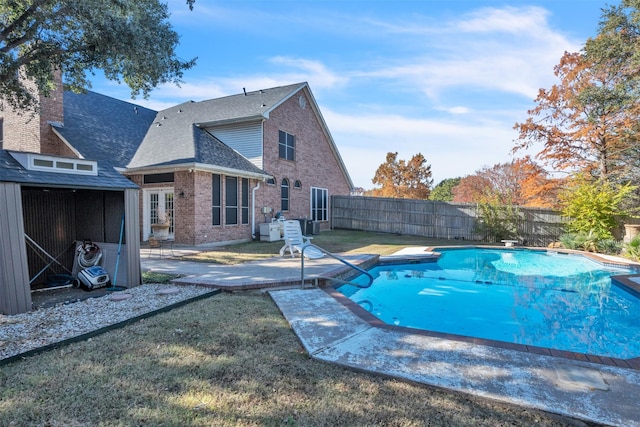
(336, 241)
(232, 360)
(229, 360)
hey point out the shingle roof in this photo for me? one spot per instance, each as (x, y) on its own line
(173, 138)
(103, 128)
(108, 178)
(242, 106)
(200, 147)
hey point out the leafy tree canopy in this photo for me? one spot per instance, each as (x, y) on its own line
(401, 179)
(443, 192)
(590, 120)
(521, 182)
(130, 40)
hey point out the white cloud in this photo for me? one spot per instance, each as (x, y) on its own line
(514, 20)
(511, 50)
(453, 148)
(455, 110)
(309, 70)
(445, 78)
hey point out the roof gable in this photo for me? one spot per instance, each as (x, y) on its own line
(172, 138)
(242, 107)
(122, 134)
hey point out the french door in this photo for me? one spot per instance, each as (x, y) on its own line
(158, 203)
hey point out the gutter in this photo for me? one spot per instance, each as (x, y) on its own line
(193, 166)
(253, 210)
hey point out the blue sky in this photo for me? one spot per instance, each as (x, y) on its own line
(446, 78)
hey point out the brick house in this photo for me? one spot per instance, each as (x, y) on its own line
(225, 165)
(88, 166)
(217, 168)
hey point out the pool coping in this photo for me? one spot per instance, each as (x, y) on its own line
(431, 254)
(332, 333)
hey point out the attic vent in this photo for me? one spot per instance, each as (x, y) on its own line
(39, 162)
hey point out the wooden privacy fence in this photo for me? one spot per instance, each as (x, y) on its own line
(439, 220)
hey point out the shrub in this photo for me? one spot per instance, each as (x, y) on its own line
(594, 207)
(609, 246)
(632, 249)
(591, 243)
(497, 222)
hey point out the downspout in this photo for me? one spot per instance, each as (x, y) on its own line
(253, 211)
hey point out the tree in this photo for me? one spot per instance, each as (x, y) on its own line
(443, 192)
(594, 206)
(590, 120)
(521, 182)
(471, 189)
(130, 40)
(400, 179)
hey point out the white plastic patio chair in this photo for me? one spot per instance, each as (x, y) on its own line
(295, 241)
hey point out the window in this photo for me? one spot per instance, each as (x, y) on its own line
(245, 201)
(297, 184)
(157, 178)
(287, 145)
(284, 195)
(271, 181)
(42, 162)
(231, 200)
(319, 204)
(161, 207)
(217, 199)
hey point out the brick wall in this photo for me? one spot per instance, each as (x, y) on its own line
(31, 131)
(204, 230)
(52, 110)
(192, 205)
(315, 164)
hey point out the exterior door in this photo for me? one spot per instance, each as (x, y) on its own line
(158, 202)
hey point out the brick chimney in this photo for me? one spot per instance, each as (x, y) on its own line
(31, 132)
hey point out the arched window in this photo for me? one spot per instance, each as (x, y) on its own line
(297, 184)
(284, 195)
(271, 181)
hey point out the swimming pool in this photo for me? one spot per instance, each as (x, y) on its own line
(526, 297)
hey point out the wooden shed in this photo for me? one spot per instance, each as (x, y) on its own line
(48, 206)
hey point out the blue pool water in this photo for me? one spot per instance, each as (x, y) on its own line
(538, 298)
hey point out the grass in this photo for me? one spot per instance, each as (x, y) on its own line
(155, 277)
(336, 241)
(232, 360)
(229, 360)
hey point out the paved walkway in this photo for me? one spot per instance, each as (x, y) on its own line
(332, 333)
(269, 273)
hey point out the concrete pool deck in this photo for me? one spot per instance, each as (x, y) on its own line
(332, 333)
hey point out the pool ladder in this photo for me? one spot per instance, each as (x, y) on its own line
(336, 257)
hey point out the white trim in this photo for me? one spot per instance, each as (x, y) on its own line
(311, 199)
(146, 224)
(44, 163)
(192, 167)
